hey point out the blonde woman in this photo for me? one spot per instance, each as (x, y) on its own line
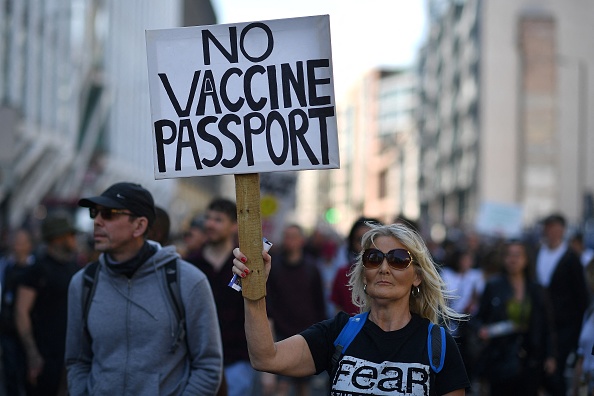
(396, 283)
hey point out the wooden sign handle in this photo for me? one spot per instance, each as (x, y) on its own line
(247, 192)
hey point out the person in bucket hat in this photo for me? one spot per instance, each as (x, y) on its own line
(41, 306)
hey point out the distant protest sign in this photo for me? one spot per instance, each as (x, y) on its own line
(277, 192)
(242, 98)
(499, 220)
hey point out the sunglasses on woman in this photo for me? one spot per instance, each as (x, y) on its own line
(398, 259)
(107, 213)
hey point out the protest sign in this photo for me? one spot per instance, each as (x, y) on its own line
(243, 99)
(277, 197)
(499, 220)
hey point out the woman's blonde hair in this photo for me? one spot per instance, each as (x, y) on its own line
(430, 303)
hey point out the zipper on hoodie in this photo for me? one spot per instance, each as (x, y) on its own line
(127, 335)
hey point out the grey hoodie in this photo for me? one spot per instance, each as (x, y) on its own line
(132, 326)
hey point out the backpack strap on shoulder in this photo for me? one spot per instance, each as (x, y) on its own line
(171, 277)
(436, 347)
(90, 275)
(347, 334)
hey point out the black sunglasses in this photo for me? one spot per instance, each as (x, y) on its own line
(398, 259)
(107, 213)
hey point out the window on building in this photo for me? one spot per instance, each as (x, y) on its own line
(383, 184)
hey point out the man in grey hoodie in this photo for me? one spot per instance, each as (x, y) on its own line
(129, 343)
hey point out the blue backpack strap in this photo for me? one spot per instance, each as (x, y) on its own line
(350, 330)
(436, 347)
(348, 333)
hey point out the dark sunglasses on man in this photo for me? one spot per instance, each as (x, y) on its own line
(108, 213)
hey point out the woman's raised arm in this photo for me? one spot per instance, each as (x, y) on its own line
(290, 357)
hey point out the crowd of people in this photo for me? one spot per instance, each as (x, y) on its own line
(145, 312)
(524, 319)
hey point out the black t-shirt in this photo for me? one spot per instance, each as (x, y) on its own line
(385, 363)
(12, 277)
(50, 279)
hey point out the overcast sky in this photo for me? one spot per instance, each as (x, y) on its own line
(364, 34)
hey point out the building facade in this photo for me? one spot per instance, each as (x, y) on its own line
(74, 103)
(378, 156)
(505, 88)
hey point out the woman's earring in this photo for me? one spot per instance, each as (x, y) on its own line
(415, 291)
(365, 288)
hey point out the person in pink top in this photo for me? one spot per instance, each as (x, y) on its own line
(341, 295)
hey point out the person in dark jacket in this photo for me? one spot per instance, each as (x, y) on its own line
(41, 306)
(295, 282)
(215, 259)
(12, 268)
(560, 271)
(515, 322)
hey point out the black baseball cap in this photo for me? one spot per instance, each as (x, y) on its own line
(125, 195)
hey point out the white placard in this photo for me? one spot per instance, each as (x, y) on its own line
(501, 220)
(242, 98)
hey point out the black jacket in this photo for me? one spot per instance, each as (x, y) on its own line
(539, 340)
(569, 294)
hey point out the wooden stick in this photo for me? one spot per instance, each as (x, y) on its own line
(247, 192)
